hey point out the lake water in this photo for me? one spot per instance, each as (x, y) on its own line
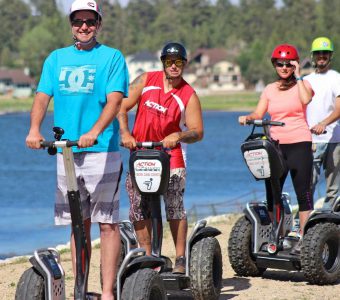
(218, 181)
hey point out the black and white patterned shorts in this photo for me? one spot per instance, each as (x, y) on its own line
(173, 198)
(98, 177)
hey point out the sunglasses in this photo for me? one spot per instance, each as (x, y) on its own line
(321, 52)
(169, 62)
(80, 22)
(282, 64)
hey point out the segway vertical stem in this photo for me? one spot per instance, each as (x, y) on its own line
(82, 255)
(278, 216)
(157, 225)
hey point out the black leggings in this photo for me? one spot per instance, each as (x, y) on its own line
(298, 158)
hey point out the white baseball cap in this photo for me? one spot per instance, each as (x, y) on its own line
(85, 5)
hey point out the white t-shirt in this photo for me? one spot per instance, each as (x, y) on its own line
(326, 87)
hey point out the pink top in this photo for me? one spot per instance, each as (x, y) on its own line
(285, 106)
(160, 114)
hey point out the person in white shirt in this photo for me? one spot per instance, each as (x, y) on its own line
(323, 115)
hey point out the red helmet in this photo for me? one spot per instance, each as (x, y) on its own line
(285, 51)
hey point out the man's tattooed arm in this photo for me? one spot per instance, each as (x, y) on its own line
(190, 136)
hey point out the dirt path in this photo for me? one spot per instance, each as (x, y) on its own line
(275, 284)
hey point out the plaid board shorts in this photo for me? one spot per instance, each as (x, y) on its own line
(173, 198)
(98, 177)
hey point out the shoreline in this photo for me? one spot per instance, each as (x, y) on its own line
(96, 242)
(210, 219)
(61, 248)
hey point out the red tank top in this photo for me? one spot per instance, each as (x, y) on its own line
(160, 114)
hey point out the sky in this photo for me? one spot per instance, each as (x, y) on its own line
(67, 3)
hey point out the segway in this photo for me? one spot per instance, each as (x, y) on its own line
(46, 278)
(149, 168)
(258, 242)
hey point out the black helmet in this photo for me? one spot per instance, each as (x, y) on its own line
(174, 49)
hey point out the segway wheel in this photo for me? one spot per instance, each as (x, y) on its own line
(206, 269)
(320, 254)
(30, 286)
(144, 284)
(239, 249)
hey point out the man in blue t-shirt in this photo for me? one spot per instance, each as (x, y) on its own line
(87, 82)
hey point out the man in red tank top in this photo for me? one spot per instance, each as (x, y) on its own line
(168, 110)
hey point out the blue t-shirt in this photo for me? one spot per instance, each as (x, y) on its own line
(79, 82)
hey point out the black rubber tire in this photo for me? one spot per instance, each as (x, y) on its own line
(206, 269)
(144, 284)
(30, 286)
(320, 254)
(239, 249)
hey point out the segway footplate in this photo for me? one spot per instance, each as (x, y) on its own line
(175, 282)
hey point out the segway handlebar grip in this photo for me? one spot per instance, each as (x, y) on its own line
(264, 123)
(149, 144)
(276, 123)
(71, 143)
(47, 144)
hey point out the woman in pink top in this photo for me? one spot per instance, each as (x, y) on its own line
(285, 100)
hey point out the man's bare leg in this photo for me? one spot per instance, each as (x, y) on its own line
(179, 229)
(109, 251)
(143, 231)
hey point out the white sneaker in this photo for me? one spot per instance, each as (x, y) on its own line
(295, 233)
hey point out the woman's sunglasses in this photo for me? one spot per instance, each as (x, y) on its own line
(282, 64)
(169, 62)
(80, 22)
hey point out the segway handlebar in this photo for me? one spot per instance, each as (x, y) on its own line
(264, 123)
(61, 144)
(58, 144)
(149, 144)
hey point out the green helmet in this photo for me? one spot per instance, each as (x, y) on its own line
(322, 44)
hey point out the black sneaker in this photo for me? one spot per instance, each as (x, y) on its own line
(179, 265)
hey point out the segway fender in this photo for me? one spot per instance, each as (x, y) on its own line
(322, 216)
(205, 232)
(43, 274)
(143, 262)
(36, 266)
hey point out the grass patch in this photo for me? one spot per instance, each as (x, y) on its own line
(20, 260)
(64, 250)
(18, 104)
(232, 101)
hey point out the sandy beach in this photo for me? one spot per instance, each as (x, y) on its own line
(275, 284)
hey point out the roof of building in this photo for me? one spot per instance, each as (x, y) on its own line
(215, 55)
(17, 76)
(144, 56)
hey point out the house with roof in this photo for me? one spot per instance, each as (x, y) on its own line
(16, 83)
(214, 70)
(141, 62)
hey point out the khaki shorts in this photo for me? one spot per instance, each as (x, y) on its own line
(98, 177)
(173, 199)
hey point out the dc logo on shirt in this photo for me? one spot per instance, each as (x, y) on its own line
(77, 79)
